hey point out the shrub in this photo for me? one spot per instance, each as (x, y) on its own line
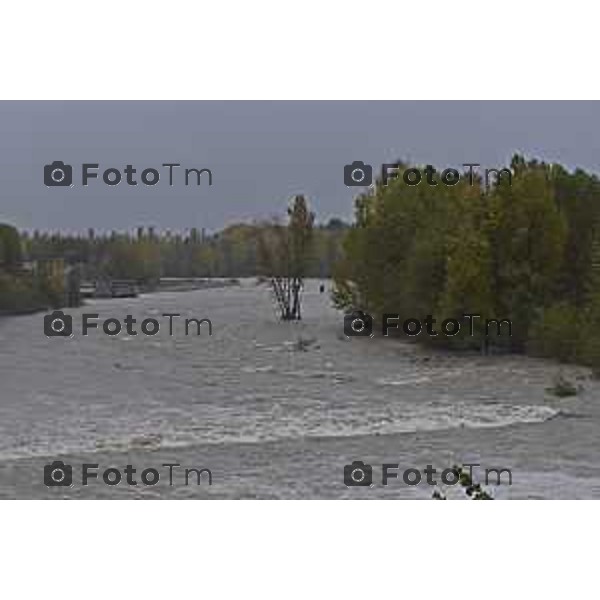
(558, 333)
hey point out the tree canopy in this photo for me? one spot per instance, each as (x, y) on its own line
(528, 252)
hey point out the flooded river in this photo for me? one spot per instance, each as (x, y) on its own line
(276, 410)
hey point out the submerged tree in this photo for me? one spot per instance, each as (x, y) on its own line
(284, 253)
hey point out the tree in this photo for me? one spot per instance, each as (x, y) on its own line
(469, 274)
(10, 248)
(451, 250)
(284, 253)
(528, 242)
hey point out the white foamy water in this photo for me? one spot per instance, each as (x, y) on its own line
(317, 424)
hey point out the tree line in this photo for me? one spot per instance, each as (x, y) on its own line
(20, 290)
(146, 255)
(528, 252)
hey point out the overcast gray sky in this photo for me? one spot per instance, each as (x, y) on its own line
(260, 153)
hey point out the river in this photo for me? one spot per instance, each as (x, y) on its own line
(274, 418)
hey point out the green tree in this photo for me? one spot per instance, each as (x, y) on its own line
(528, 241)
(10, 248)
(284, 253)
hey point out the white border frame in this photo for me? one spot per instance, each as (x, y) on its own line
(309, 50)
(269, 49)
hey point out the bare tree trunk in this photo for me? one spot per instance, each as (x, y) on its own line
(296, 285)
(287, 294)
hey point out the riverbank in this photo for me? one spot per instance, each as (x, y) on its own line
(22, 312)
(165, 285)
(189, 284)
